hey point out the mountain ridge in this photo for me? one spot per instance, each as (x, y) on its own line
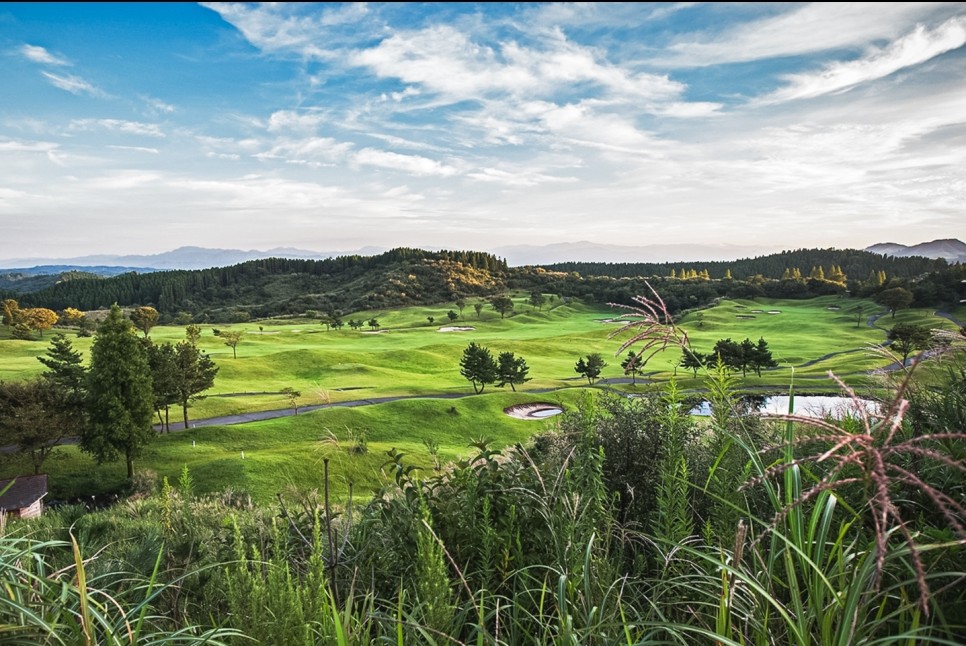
(194, 257)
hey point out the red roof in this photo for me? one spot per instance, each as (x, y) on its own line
(26, 490)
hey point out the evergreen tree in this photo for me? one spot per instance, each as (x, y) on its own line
(762, 358)
(478, 366)
(691, 360)
(632, 366)
(590, 368)
(511, 370)
(120, 394)
(64, 366)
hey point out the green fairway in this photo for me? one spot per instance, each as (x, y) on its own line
(407, 356)
(270, 457)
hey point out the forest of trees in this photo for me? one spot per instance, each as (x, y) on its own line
(404, 277)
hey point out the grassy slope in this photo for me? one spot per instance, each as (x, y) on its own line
(411, 357)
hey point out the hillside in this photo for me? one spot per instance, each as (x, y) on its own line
(407, 277)
(35, 279)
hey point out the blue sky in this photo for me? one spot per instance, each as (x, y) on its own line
(141, 127)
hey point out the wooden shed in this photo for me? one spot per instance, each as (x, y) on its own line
(24, 498)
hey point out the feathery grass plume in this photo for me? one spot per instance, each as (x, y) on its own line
(653, 327)
(867, 450)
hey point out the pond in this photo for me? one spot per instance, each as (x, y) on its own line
(806, 405)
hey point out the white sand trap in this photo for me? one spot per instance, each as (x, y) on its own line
(538, 410)
(375, 331)
(774, 312)
(451, 328)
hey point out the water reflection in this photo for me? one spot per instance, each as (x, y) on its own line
(805, 405)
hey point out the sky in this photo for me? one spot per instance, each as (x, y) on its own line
(136, 128)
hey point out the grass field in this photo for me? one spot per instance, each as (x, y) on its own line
(408, 356)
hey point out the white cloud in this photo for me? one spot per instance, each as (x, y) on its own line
(914, 48)
(138, 149)
(411, 164)
(11, 146)
(307, 150)
(73, 84)
(804, 29)
(445, 60)
(278, 27)
(118, 125)
(692, 110)
(282, 120)
(158, 106)
(517, 177)
(40, 55)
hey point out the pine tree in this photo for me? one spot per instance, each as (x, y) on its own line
(512, 370)
(64, 366)
(120, 395)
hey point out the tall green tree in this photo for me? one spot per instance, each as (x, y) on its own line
(120, 396)
(164, 378)
(478, 366)
(195, 373)
(512, 370)
(761, 357)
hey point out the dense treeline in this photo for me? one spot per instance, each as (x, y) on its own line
(405, 276)
(854, 263)
(282, 285)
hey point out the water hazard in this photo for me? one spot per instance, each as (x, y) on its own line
(805, 405)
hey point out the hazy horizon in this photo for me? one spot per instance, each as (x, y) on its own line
(135, 129)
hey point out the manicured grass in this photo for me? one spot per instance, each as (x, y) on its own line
(410, 357)
(289, 452)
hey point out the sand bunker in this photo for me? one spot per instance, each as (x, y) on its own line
(451, 328)
(375, 331)
(539, 410)
(774, 312)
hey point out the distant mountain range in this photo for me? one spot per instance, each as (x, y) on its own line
(952, 250)
(182, 258)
